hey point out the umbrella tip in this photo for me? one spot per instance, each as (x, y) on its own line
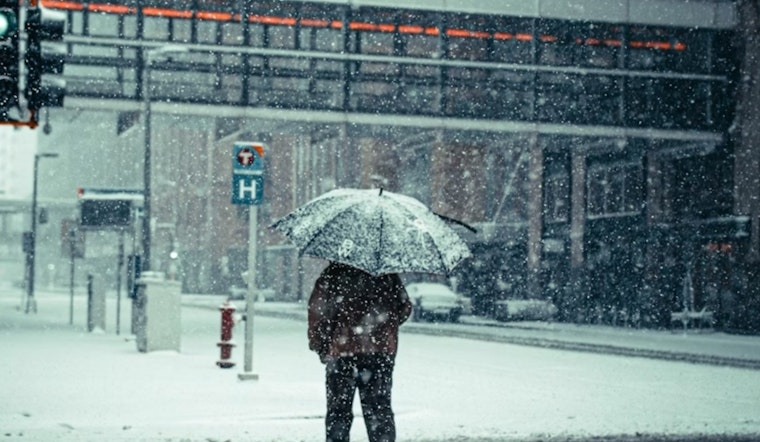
(381, 192)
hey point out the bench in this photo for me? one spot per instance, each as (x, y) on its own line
(693, 318)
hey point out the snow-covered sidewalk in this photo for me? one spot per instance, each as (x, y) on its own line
(59, 382)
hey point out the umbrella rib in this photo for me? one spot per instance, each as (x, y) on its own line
(440, 256)
(456, 221)
(438, 250)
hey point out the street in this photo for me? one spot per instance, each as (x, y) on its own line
(60, 383)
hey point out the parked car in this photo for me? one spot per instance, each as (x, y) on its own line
(524, 310)
(236, 292)
(434, 301)
(241, 292)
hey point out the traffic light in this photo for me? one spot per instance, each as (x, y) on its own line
(44, 26)
(9, 57)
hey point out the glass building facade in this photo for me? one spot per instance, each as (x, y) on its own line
(575, 135)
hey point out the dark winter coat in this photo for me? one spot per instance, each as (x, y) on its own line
(352, 312)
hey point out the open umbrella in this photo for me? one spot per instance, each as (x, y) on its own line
(376, 231)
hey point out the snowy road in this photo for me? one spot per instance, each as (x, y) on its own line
(59, 383)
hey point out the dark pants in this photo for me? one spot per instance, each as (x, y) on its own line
(373, 376)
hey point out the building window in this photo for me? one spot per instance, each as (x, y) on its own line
(669, 103)
(328, 39)
(614, 189)
(673, 50)
(156, 28)
(513, 40)
(564, 43)
(468, 38)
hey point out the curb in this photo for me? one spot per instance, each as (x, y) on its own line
(555, 344)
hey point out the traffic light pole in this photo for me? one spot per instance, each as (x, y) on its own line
(31, 304)
(146, 239)
(150, 56)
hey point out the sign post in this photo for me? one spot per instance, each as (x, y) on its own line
(248, 189)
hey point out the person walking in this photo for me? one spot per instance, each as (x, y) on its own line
(354, 319)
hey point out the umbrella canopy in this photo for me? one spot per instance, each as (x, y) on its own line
(376, 231)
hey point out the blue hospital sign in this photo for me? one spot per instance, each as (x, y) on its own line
(247, 189)
(247, 170)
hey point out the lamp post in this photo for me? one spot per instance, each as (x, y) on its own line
(31, 304)
(151, 56)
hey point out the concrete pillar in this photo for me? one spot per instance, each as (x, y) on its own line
(535, 214)
(578, 208)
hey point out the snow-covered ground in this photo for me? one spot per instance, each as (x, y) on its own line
(58, 382)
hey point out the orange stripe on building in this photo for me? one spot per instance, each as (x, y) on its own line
(371, 27)
(314, 23)
(410, 29)
(111, 9)
(464, 33)
(171, 13)
(272, 20)
(57, 4)
(662, 45)
(338, 24)
(361, 26)
(216, 16)
(524, 37)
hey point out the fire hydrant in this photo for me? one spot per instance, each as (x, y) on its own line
(226, 344)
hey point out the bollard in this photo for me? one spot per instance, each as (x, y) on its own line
(226, 344)
(96, 305)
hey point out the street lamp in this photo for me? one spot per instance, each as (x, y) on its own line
(30, 302)
(151, 56)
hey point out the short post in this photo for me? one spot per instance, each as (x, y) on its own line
(89, 302)
(72, 237)
(96, 305)
(119, 265)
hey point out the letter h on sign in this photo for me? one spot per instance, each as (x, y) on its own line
(247, 189)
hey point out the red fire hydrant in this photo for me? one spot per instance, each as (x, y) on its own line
(226, 344)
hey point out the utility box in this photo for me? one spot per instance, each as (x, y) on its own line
(158, 321)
